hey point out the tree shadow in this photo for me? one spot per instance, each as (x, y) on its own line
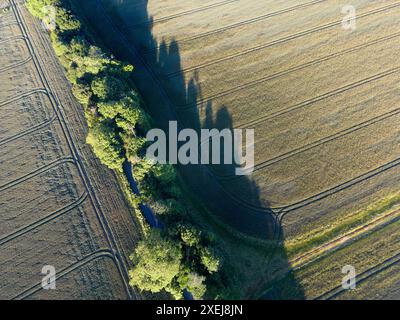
(170, 94)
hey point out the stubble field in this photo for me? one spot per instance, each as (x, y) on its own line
(324, 103)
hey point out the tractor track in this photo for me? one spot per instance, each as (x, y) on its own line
(285, 72)
(241, 23)
(371, 226)
(110, 237)
(23, 95)
(13, 38)
(28, 131)
(338, 242)
(7, 24)
(16, 65)
(184, 13)
(280, 41)
(278, 212)
(324, 140)
(33, 128)
(102, 253)
(37, 172)
(362, 277)
(300, 204)
(53, 216)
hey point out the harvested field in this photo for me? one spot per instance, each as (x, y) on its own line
(67, 283)
(370, 256)
(17, 110)
(323, 102)
(383, 285)
(52, 209)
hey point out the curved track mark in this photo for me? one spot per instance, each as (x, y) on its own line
(11, 23)
(102, 253)
(36, 172)
(282, 211)
(16, 65)
(26, 229)
(340, 187)
(23, 95)
(20, 37)
(28, 131)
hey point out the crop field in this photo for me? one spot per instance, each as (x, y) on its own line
(324, 103)
(54, 206)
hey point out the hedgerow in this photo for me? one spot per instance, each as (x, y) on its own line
(181, 255)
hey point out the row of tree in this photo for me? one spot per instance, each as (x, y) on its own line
(181, 256)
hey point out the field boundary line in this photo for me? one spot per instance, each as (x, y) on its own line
(101, 253)
(280, 41)
(286, 72)
(241, 23)
(37, 172)
(56, 214)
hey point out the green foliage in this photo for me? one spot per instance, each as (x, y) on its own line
(38, 7)
(60, 48)
(65, 21)
(106, 146)
(108, 88)
(165, 174)
(157, 262)
(196, 285)
(133, 147)
(127, 109)
(82, 93)
(210, 260)
(190, 236)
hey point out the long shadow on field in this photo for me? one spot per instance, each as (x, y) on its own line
(175, 97)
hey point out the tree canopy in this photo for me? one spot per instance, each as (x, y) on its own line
(157, 262)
